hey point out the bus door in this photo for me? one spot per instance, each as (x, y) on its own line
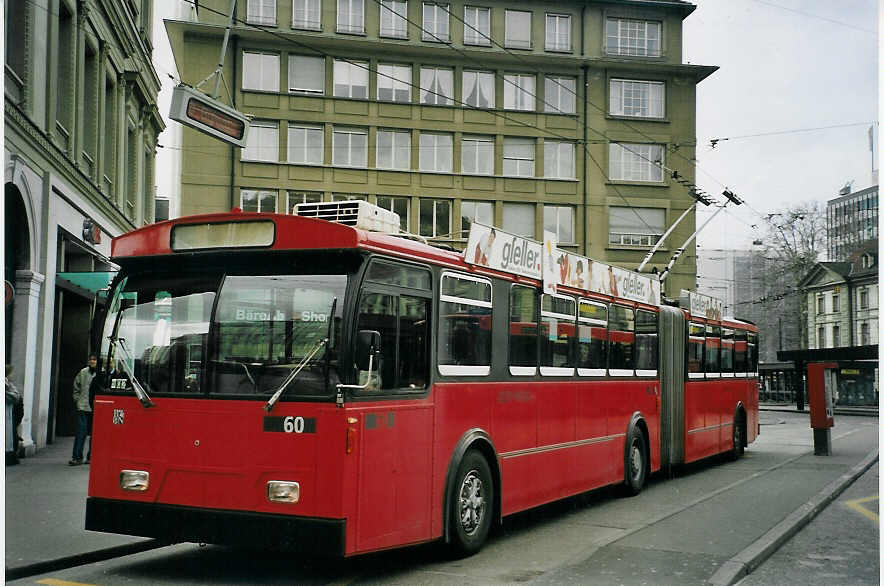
(395, 416)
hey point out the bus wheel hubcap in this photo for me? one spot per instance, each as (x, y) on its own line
(636, 461)
(472, 502)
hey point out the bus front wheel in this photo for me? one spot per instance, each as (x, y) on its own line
(636, 462)
(472, 504)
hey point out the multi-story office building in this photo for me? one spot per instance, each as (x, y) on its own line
(81, 128)
(851, 221)
(563, 116)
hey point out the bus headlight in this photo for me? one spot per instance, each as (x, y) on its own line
(280, 491)
(134, 480)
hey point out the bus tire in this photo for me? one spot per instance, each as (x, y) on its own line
(636, 462)
(739, 438)
(472, 504)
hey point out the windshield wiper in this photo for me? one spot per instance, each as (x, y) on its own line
(324, 342)
(142, 395)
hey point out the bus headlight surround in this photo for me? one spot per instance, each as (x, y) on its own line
(137, 480)
(283, 491)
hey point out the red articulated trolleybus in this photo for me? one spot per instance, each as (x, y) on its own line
(295, 383)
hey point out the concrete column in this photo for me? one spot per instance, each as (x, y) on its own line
(25, 321)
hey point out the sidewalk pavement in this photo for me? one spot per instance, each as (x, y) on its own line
(46, 510)
(871, 411)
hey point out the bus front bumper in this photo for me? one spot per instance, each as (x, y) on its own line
(176, 524)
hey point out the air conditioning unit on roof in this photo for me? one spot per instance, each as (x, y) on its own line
(356, 213)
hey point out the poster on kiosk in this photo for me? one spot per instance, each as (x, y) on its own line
(496, 249)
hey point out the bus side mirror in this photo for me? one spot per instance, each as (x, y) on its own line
(368, 344)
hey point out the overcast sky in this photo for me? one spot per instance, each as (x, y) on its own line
(785, 65)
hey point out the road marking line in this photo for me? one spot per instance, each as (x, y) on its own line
(54, 582)
(857, 505)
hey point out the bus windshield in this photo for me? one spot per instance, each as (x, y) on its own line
(240, 335)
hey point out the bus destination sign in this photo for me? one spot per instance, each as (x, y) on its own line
(197, 110)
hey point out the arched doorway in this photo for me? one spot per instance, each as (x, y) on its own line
(17, 257)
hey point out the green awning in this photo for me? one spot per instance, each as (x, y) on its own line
(93, 283)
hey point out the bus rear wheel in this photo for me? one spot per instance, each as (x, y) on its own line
(739, 440)
(472, 504)
(636, 463)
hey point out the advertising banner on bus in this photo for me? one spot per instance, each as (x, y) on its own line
(503, 251)
(701, 305)
(499, 250)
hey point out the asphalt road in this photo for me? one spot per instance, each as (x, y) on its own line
(840, 547)
(678, 531)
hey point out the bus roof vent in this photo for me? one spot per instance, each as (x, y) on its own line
(356, 213)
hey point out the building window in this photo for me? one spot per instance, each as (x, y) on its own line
(560, 94)
(110, 135)
(16, 49)
(436, 152)
(864, 337)
(558, 32)
(65, 108)
(351, 79)
(351, 16)
(435, 23)
(518, 156)
(518, 218)
(435, 218)
(160, 210)
(475, 211)
(307, 74)
(558, 159)
(394, 19)
(394, 149)
(836, 336)
(252, 200)
(518, 91)
(90, 107)
(307, 14)
(477, 155)
(260, 71)
(639, 38)
(642, 99)
(262, 142)
(394, 83)
(293, 198)
(820, 305)
(477, 26)
(261, 12)
(398, 205)
(350, 147)
(349, 197)
(836, 303)
(306, 145)
(437, 86)
(636, 162)
(863, 298)
(632, 226)
(560, 221)
(478, 89)
(517, 34)
(821, 337)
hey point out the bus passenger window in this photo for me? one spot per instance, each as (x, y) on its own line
(696, 350)
(713, 347)
(645, 343)
(740, 365)
(464, 325)
(557, 316)
(523, 330)
(621, 332)
(752, 352)
(727, 351)
(592, 339)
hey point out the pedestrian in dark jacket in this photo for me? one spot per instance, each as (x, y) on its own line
(84, 411)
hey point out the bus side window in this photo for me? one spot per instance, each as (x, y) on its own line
(727, 351)
(592, 339)
(740, 364)
(557, 315)
(713, 347)
(523, 330)
(621, 332)
(696, 350)
(752, 353)
(645, 343)
(404, 328)
(464, 325)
